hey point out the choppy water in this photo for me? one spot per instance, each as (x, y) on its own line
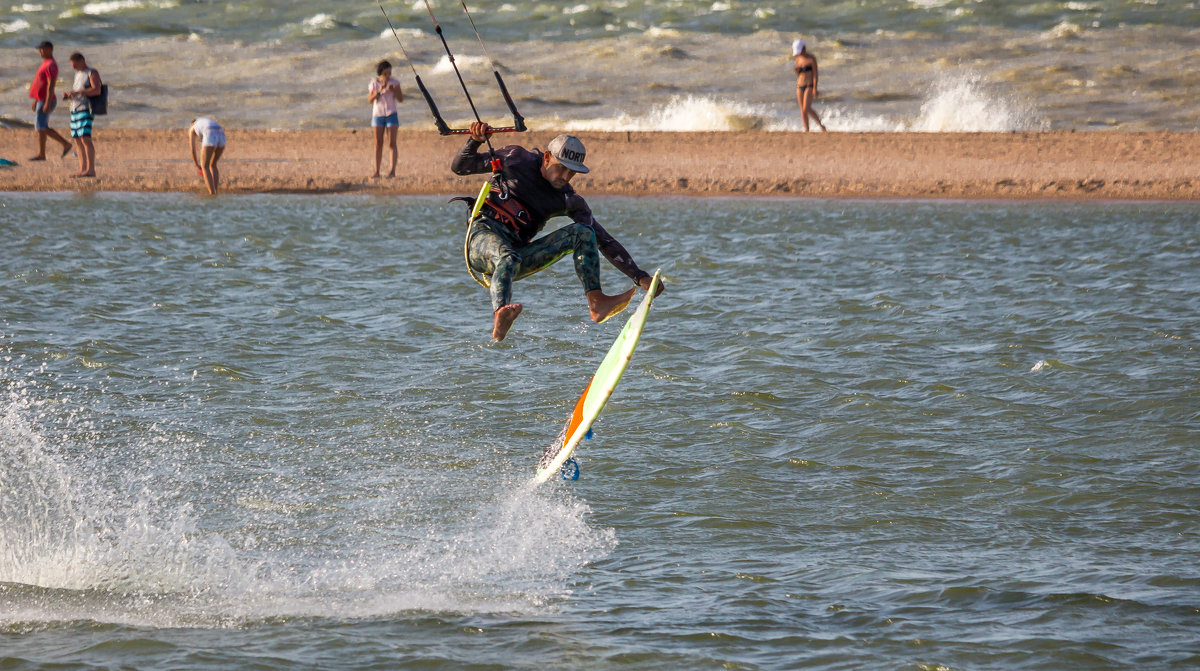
(271, 431)
(924, 65)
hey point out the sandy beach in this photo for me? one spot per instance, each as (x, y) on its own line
(1034, 165)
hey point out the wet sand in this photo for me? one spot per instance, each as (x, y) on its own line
(1084, 165)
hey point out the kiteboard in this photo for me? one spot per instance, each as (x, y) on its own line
(589, 405)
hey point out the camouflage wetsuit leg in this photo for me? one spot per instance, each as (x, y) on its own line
(496, 253)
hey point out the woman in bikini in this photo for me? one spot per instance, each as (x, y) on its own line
(806, 82)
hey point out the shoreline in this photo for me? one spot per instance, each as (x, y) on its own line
(1054, 165)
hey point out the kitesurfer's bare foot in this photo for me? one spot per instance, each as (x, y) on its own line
(503, 320)
(601, 306)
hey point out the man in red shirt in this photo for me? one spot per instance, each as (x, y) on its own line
(44, 100)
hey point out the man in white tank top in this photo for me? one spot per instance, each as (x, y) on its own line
(87, 84)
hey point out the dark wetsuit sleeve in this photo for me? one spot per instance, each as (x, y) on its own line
(612, 250)
(468, 160)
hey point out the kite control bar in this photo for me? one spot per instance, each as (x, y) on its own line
(518, 121)
(443, 127)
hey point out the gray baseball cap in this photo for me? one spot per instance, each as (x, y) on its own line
(569, 151)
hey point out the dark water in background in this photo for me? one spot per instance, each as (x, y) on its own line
(271, 431)
(315, 22)
(886, 65)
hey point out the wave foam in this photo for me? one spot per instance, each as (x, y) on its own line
(114, 6)
(14, 26)
(960, 104)
(690, 113)
(954, 104)
(444, 66)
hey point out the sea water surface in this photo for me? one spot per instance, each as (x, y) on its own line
(886, 65)
(271, 432)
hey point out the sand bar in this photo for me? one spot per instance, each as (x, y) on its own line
(1065, 165)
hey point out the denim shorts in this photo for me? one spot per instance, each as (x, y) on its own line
(390, 121)
(42, 114)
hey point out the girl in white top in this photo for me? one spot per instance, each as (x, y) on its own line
(212, 145)
(383, 93)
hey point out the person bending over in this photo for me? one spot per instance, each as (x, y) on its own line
(212, 145)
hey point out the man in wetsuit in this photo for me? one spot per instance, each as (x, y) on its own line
(531, 188)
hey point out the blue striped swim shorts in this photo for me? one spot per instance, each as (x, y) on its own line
(81, 123)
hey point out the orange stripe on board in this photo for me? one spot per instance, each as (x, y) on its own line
(577, 413)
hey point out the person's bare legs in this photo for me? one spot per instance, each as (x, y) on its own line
(602, 306)
(391, 133)
(61, 140)
(212, 176)
(90, 148)
(42, 135)
(813, 113)
(216, 172)
(807, 111)
(87, 156)
(503, 320)
(41, 155)
(379, 130)
(800, 101)
(53, 134)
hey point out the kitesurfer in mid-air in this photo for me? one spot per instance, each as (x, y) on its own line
(530, 188)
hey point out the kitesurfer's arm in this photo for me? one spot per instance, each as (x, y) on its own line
(468, 160)
(578, 210)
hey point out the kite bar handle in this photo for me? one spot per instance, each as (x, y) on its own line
(467, 131)
(518, 120)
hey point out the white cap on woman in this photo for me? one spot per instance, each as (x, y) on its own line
(797, 47)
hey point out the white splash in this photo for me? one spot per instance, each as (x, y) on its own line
(961, 104)
(58, 531)
(405, 33)
(318, 23)
(81, 541)
(1064, 30)
(953, 104)
(14, 26)
(444, 66)
(114, 6)
(687, 113)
